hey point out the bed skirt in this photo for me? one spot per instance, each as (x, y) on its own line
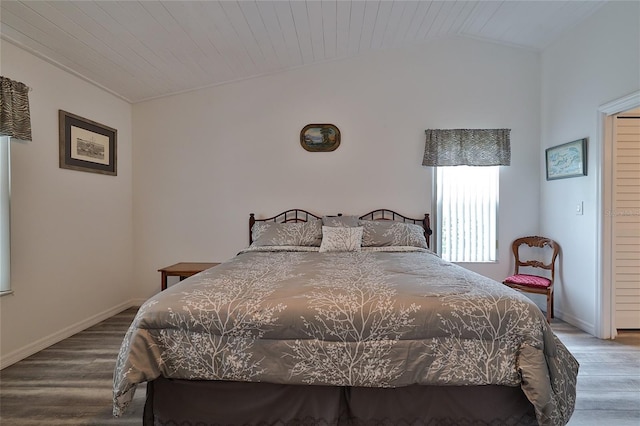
(207, 403)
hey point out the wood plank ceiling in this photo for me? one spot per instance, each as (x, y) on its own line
(141, 50)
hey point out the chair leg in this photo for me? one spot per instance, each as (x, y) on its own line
(549, 306)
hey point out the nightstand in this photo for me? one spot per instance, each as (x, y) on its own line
(183, 270)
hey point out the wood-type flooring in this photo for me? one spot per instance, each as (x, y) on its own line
(70, 382)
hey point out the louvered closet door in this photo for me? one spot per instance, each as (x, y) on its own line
(626, 221)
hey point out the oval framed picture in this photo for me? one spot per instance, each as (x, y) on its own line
(320, 137)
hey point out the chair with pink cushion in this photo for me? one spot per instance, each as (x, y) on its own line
(536, 256)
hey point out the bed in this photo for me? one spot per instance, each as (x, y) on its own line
(343, 320)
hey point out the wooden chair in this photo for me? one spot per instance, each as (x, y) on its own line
(540, 282)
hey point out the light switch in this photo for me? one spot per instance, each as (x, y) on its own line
(580, 208)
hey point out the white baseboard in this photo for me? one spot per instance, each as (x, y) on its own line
(45, 342)
(576, 322)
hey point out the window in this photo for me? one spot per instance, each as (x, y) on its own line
(5, 240)
(15, 123)
(467, 208)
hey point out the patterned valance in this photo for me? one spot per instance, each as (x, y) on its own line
(15, 119)
(467, 147)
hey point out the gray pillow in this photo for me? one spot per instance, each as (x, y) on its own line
(341, 221)
(287, 234)
(383, 233)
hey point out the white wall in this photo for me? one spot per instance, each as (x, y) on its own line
(72, 232)
(597, 62)
(206, 159)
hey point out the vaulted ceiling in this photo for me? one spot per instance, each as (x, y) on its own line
(141, 50)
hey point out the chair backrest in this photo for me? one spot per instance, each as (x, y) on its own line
(542, 243)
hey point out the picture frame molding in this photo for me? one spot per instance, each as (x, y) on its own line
(74, 159)
(581, 170)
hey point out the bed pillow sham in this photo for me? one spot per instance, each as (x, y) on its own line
(287, 234)
(341, 238)
(380, 233)
(341, 221)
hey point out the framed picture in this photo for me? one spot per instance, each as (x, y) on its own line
(86, 145)
(567, 160)
(320, 137)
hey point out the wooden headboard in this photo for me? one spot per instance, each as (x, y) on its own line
(298, 215)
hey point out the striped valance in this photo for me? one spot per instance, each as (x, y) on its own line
(15, 119)
(467, 147)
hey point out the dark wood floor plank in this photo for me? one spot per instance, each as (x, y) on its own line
(608, 384)
(604, 418)
(615, 400)
(70, 383)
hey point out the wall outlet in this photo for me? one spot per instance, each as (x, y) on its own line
(580, 208)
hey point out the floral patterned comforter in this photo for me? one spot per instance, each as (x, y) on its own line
(385, 317)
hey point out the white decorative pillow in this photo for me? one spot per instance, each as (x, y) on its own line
(338, 238)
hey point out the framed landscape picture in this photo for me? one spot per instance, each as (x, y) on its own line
(86, 145)
(567, 160)
(320, 137)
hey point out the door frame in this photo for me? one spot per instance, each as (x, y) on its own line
(605, 290)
